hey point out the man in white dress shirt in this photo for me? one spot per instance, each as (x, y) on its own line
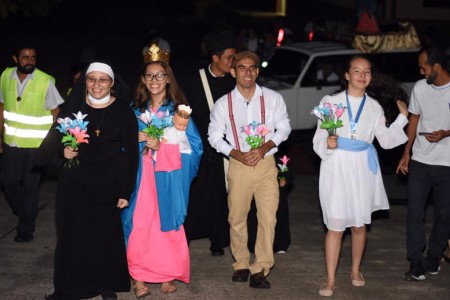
(252, 172)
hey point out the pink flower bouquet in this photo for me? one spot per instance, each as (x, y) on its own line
(329, 114)
(155, 122)
(74, 131)
(255, 133)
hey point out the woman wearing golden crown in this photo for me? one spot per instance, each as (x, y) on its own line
(157, 249)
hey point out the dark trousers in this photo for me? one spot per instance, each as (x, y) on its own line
(21, 185)
(207, 214)
(423, 178)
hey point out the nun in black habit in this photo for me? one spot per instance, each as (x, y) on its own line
(90, 255)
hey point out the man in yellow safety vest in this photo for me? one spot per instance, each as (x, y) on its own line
(29, 103)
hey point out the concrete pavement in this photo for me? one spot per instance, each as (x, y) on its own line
(26, 269)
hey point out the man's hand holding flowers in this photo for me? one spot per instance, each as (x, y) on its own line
(255, 139)
(255, 155)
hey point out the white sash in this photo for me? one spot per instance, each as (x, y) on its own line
(210, 100)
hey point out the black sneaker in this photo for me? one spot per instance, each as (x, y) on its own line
(416, 272)
(433, 266)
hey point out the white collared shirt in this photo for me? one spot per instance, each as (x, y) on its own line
(245, 112)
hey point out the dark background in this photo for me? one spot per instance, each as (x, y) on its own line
(71, 31)
(66, 32)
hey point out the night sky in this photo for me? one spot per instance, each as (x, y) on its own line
(79, 30)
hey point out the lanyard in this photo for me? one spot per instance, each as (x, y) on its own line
(354, 124)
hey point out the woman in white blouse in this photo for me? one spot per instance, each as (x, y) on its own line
(350, 184)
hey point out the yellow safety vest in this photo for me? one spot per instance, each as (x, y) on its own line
(27, 123)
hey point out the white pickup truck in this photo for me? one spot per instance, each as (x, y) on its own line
(305, 72)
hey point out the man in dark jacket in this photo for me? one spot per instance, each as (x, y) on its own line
(208, 210)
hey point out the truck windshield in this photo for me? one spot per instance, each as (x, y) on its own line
(284, 65)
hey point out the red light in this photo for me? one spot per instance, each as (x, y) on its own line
(310, 36)
(280, 37)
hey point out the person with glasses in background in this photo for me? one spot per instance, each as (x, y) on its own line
(157, 249)
(90, 254)
(29, 102)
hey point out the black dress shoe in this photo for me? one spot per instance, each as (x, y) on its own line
(23, 237)
(217, 252)
(109, 295)
(240, 275)
(258, 281)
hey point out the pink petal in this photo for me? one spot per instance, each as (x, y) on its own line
(247, 129)
(265, 131)
(339, 111)
(284, 160)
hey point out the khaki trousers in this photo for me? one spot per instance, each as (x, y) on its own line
(244, 183)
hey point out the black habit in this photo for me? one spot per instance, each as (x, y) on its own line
(90, 255)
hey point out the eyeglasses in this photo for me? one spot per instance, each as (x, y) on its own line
(101, 81)
(158, 76)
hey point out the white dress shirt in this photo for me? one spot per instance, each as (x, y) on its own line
(245, 112)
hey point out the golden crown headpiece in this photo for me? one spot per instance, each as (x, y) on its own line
(154, 53)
